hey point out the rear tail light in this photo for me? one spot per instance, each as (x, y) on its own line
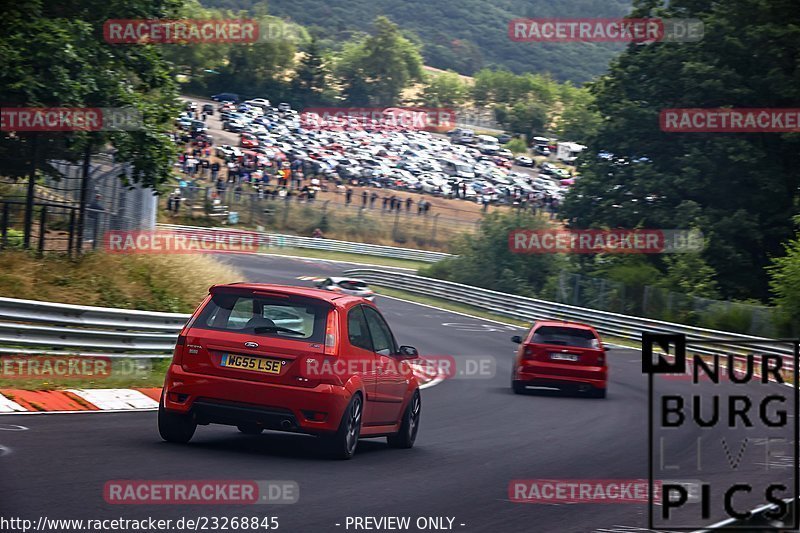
(332, 334)
(177, 354)
(528, 353)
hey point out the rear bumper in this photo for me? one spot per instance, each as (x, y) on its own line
(218, 400)
(562, 375)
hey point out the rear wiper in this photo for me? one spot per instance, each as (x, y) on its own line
(265, 329)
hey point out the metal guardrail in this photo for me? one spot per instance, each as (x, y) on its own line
(530, 309)
(295, 241)
(30, 327)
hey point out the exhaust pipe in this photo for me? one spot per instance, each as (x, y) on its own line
(287, 425)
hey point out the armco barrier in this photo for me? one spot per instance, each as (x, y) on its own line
(30, 327)
(276, 240)
(530, 309)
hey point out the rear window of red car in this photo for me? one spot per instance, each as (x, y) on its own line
(287, 318)
(565, 336)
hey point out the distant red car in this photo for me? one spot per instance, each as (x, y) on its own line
(304, 360)
(248, 141)
(562, 355)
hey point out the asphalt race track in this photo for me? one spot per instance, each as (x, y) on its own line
(475, 438)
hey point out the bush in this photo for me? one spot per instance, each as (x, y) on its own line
(14, 239)
(517, 146)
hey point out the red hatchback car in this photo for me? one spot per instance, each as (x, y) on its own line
(294, 359)
(563, 355)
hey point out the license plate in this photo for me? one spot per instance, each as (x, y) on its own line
(256, 364)
(563, 357)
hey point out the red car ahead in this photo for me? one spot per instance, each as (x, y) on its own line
(563, 355)
(294, 359)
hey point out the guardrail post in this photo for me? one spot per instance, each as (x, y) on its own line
(4, 227)
(42, 223)
(71, 239)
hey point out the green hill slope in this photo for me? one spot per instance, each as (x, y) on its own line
(463, 35)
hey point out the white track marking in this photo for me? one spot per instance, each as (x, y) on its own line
(9, 406)
(116, 398)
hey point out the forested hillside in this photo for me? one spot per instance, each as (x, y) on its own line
(464, 35)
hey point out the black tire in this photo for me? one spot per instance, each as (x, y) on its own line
(250, 429)
(174, 427)
(410, 426)
(343, 444)
(517, 386)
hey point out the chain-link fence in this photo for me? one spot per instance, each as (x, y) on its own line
(376, 222)
(54, 217)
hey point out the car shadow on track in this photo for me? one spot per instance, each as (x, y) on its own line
(275, 444)
(545, 393)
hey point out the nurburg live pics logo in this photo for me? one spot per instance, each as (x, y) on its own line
(713, 425)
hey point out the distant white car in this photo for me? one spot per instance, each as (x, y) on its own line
(227, 151)
(524, 161)
(350, 286)
(261, 103)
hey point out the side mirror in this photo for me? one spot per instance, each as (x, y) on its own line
(407, 352)
(517, 339)
(606, 348)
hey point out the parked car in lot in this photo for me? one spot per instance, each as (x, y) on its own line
(524, 161)
(541, 149)
(351, 286)
(226, 97)
(233, 125)
(235, 365)
(227, 151)
(248, 140)
(557, 354)
(261, 103)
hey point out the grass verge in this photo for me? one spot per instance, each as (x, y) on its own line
(172, 283)
(124, 374)
(343, 256)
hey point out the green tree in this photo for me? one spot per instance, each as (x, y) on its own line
(310, 82)
(579, 120)
(785, 281)
(444, 90)
(378, 67)
(486, 260)
(740, 189)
